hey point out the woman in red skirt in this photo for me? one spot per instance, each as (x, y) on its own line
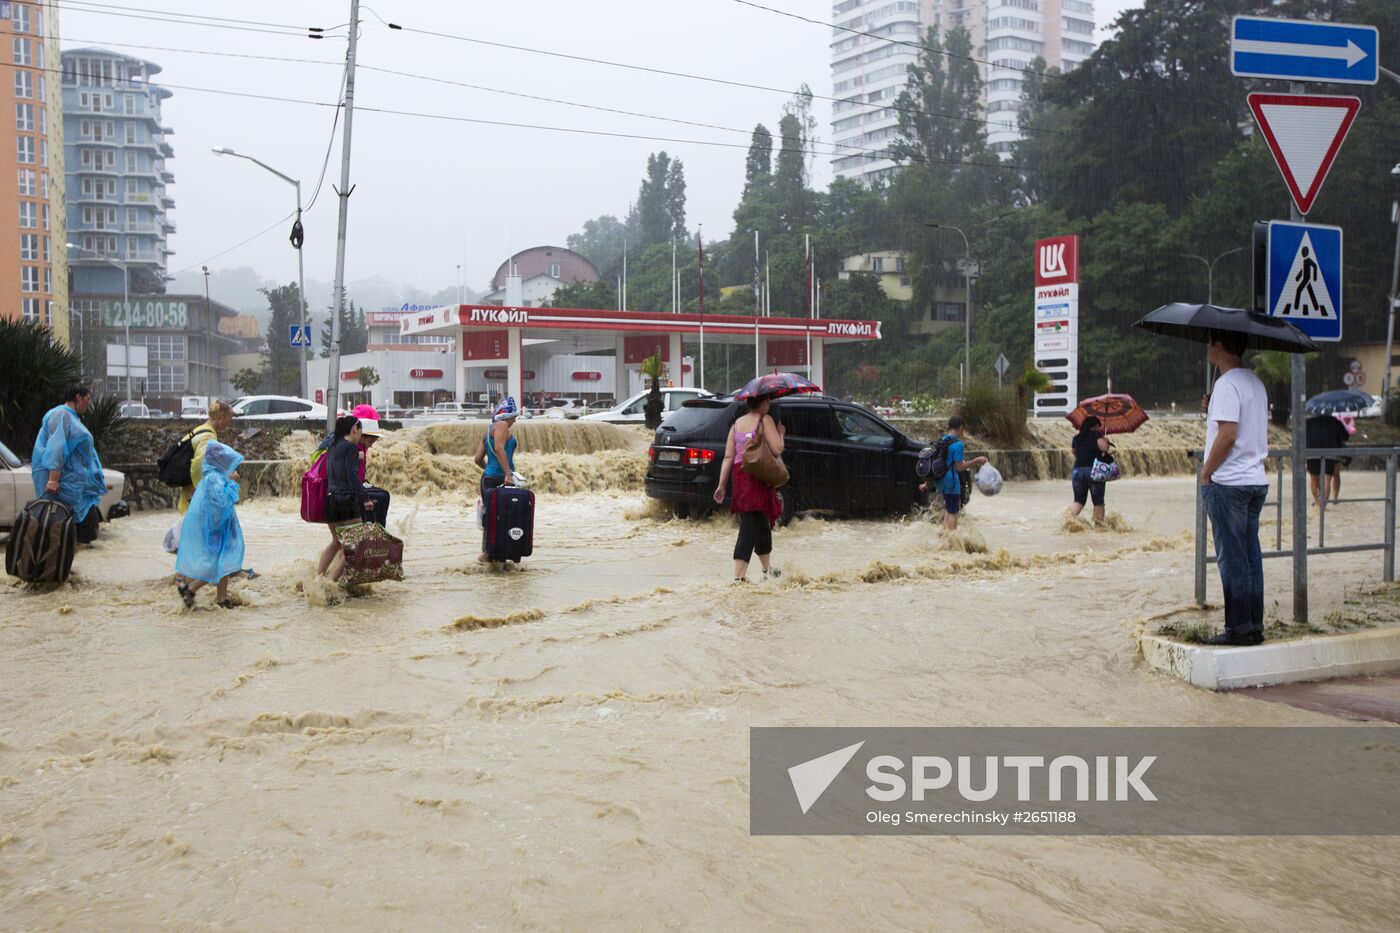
(755, 502)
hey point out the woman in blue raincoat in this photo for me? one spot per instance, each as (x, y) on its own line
(211, 541)
(66, 465)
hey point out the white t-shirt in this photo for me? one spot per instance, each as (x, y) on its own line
(1239, 396)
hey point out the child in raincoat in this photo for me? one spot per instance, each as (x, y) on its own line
(211, 540)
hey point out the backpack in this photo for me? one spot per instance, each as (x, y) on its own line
(314, 488)
(933, 461)
(173, 467)
(42, 542)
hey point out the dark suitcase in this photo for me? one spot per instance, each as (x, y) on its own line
(42, 542)
(510, 523)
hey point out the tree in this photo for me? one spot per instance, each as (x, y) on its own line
(597, 296)
(758, 166)
(661, 201)
(790, 178)
(367, 376)
(248, 381)
(940, 120)
(284, 371)
(354, 332)
(35, 369)
(600, 242)
(675, 201)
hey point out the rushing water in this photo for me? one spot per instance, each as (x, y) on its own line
(566, 746)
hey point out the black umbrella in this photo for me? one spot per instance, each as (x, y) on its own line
(1195, 322)
(1329, 403)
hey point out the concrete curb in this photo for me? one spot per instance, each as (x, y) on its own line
(1284, 662)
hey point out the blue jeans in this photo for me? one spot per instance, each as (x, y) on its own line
(1234, 523)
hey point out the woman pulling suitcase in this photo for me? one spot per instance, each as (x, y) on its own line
(509, 511)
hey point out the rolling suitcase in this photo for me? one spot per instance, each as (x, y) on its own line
(42, 542)
(510, 523)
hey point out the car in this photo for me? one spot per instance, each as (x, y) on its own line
(277, 408)
(392, 413)
(565, 407)
(17, 488)
(194, 412)
(139, 410)
(633, 410)
(841, 457)
(453, 410)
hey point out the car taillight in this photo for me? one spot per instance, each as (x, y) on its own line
(651, 454)
(694, 456)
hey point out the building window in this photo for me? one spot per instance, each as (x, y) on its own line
(131, 218)
(23, 54)
(29, 246)
(131, 162)
(554, 270)
(905, 281)
(19, 21)
(31, 309)
(877, 264)
(48, 280)
(47, 252)
(130, 132)
(44, 152)
(24, 85)
(29, 278)
(44, 211)
(24, 118)
(44, 178)
(84, 129)
(899, 264)
(28, 214)
(131, 188)
(129, 103)
(26, 182)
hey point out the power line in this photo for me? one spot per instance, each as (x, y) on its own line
(166, 48)
(194, 19)
(235, 246)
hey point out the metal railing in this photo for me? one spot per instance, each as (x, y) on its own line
(1391, 456)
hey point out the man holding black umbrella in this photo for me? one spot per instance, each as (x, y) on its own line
(1234, 485)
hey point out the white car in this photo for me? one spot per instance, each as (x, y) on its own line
(565, 407)
(633, 410)
(277, 408)
(139, 410)
(452, 410)
(17, 488)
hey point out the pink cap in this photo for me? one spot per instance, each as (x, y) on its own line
(365, 411)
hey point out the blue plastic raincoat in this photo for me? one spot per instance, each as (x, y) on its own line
(65, 444)
(211, 540)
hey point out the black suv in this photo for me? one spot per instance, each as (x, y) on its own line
(841, 457)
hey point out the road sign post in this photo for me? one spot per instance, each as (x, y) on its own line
(1304, 132)
(1303, 278)
(1001, 365)
(299, 335)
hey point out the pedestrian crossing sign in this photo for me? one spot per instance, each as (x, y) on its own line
(1304, 277)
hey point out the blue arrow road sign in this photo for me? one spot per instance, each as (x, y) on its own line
(1297, 50)
(1303, 277)
(300, 334)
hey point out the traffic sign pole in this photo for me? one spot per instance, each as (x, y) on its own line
(1300, 482)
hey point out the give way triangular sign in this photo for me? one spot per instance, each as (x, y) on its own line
(1304, 132)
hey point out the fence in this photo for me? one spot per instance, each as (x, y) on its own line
(1277, 456)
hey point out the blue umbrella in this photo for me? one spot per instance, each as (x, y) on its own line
(1329, 403)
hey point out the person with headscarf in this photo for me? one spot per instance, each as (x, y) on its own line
(211, 540)
(219, 420)
(496, 452)
(66, 465)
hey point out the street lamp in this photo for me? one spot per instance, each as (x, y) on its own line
(126, 306)
(1210, 286)
(296, 244)
(967, 308)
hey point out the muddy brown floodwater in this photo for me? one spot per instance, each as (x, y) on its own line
(567, 746)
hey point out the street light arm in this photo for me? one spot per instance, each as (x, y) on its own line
(258, 162)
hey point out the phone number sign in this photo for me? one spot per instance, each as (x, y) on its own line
(166, 315)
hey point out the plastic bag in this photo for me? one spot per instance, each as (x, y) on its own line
(988, 480)
(480, 513)
(172, 536)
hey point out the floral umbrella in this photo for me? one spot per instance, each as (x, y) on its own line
(776, 385)
(1119, 414)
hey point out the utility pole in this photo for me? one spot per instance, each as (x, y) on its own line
(343, 192)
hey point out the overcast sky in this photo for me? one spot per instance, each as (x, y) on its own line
(433, 193)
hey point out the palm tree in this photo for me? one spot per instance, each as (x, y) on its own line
(1031, 382)
(1275, 369)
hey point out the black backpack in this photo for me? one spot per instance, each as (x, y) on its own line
(173, 467)
(933, 461)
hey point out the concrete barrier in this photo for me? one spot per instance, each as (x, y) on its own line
(1284, 662)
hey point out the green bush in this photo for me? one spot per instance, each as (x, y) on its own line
(34, 372)
(993, 413)
(1392, 408)
(108, 427)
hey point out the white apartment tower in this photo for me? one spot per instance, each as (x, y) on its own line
(869, 71)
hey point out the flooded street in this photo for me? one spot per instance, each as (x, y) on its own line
(566, 745)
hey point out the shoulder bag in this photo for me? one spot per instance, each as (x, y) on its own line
(761, 463)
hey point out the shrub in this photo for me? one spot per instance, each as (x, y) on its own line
(104, 420)
(34, 372)
(993, 413)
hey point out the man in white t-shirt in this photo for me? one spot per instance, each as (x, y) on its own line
(1234, 485)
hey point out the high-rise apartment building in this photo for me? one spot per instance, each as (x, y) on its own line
(33, 273)
(869, 71)
(116, 151)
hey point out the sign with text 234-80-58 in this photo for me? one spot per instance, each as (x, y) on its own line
(1056, 310)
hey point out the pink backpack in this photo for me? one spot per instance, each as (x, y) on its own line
(314, 489)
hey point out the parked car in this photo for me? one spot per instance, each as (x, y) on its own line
(392, 413)
(841, 457)
(565, 407)
(633, 410)
(17, 488)
(140, 410)
(453, 410)
(277, 408)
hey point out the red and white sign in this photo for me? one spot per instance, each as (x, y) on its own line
(1057, 260)
(496, 375)
(636, 349)
(787, 353)
(350, 376)
(1305, 133)
(425, 374)
(484, 344)
(587, 377)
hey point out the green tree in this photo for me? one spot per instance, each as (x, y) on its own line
(600, 242)
(600, 296)
(758, 165)
(367, 376)
(284, 371)
(939, 109)
(247, 381)
(35, 369)
(354, 331)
